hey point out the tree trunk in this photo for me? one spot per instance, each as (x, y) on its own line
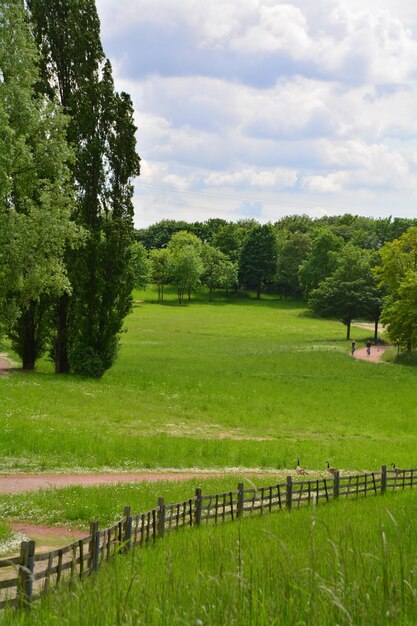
(258, 293)
(376, 328)
(162, 293)
(348, 329)
(29, 340)
(61, 344)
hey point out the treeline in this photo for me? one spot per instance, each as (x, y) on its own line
(67, 146)
(346, 267)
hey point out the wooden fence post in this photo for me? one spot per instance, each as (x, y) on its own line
(128, 529)
(336, 484)
(161, 517)
(27, 553)
(289, 493)
(94, 546)
(198, 506)
(240, 500)
(383, 479)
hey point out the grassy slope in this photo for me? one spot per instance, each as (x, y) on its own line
(344, 563)
(236, 369)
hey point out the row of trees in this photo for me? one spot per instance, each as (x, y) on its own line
(188, 263)
(343, 266)
(68, 156)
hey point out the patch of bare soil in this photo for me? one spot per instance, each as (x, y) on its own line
(31, 530)
(48, 537)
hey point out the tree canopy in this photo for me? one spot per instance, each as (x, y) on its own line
(350, 292)
(258, 258)
(101, 131)
(397, 273)
(36, 194)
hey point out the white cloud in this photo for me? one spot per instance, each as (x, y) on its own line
(372, 44)
(289, 106)
(365, 166)
(369, 40)
(278, 28)
(277, 178)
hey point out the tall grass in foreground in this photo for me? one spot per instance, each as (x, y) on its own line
(351, 563)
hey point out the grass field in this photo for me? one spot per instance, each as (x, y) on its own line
(233, 383)
(348, 563)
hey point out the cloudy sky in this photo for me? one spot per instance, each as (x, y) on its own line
(263, 108)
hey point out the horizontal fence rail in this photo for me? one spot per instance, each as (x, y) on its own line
(24, 578)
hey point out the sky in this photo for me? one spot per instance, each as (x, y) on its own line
(261, 108)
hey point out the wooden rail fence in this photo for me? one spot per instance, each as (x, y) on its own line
(24, 578)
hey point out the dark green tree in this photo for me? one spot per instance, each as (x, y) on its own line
(350, 292)
(229, 240)
(258, 258)
(159, 235)
(102, 132)
(321, 261)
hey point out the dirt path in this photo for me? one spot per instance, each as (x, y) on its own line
(50, 537)
(374, 357)
(13, 483)
(5, 364)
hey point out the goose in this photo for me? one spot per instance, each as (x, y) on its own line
(299, 469)
(397, 471)
(331, 470)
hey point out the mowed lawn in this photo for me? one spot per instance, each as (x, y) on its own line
(233, 383)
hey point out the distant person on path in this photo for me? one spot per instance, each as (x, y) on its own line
(378, 343)
(353, 347)
(368, 347)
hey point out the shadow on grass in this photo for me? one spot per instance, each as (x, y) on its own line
(221, 299)
(403, 358)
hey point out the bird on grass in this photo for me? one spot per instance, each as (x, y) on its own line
(331, 470)
(299, 469)
(397, 471)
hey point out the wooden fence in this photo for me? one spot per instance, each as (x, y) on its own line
(24, 578)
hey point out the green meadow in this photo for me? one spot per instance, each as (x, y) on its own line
(350, 563)
(234, 383)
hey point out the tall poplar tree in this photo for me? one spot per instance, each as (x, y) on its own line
(35, 194)
(102, 133)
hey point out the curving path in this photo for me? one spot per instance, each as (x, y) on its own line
(14, 483)
(374, 357)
